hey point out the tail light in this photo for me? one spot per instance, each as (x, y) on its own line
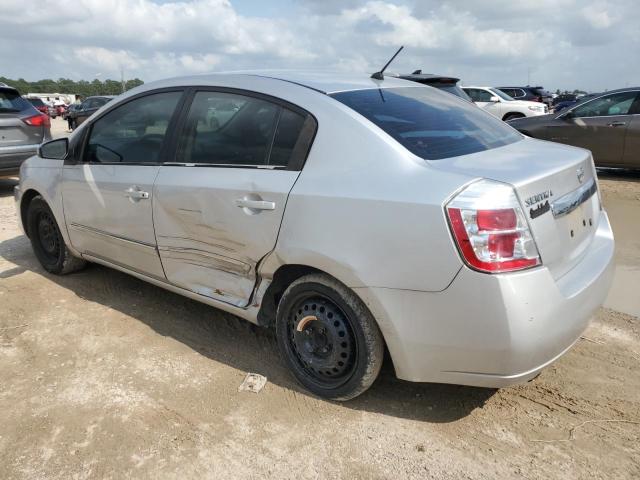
(40, 120)
(490, 229)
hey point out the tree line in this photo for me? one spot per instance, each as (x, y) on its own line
(66, 85)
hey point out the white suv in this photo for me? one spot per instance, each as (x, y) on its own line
(501, 105)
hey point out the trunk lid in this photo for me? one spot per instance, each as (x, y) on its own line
(556, 187)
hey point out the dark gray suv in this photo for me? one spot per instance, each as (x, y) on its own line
(22, 130)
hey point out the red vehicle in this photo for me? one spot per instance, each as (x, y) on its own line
(39, 104)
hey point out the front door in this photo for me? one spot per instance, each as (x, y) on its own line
(482, 98)
(218, 208)
(108, 191)
(599, 125)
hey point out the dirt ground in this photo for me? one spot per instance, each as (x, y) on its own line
(105, 376)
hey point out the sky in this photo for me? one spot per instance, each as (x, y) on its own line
(586, 44)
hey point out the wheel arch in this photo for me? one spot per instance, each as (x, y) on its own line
(513, 115)
(25, 201)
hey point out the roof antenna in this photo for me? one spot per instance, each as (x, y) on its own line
(380, 75)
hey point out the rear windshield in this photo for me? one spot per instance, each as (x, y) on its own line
(11, 101)
(430, 124)
(36, 102)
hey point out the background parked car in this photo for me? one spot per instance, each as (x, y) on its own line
(608, 125)
(88, 108)
(39, 104)
(532, 94)
(448, 84)
(501, 105)
(22, 130)
(564, 97)
(558, 107)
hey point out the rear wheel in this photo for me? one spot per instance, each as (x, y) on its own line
(47, 241)
(328, 338)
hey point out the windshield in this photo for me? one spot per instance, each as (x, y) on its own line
(502, 95)
(428, 123)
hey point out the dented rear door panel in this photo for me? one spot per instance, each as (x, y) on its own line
(208, 241)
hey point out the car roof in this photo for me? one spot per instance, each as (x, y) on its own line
(323, 82)
(476, 86)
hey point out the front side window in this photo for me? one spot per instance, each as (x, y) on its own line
(478, 95)
(615, 104)
(237, 130)
(428, 123)
(133, 132)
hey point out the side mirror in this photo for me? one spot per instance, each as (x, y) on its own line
(55, 149)
(494, 99)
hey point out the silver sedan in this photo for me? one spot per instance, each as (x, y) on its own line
(352, 215)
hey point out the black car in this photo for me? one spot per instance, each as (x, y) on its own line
(448, 84)
(87, 108)
(608, 125)
(531, 94)
(564, 97)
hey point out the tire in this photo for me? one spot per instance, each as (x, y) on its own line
(47, 241)
(512, 116)
(328, 338)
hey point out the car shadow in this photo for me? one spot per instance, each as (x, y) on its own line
(241, 345)
(618, 174)
(6, 186)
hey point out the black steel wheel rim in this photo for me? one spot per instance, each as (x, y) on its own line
(322, 340)
(48, 236)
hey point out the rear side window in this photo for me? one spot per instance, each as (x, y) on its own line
(428, 123)
(133, 132)
(231, 129)
(228, 129)
(11, 101)
(288, 138)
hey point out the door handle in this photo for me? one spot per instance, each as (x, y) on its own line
(134, 193)
(255, 204)
(616, 124)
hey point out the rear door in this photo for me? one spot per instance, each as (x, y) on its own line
(218, 207)
(599, 125)
(108, 190)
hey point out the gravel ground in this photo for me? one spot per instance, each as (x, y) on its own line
(105, 376)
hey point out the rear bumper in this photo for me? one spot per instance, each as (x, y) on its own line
(12, 157)
(493, 330)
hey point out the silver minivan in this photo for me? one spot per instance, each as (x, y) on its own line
(350, 214)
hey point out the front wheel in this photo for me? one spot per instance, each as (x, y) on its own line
(328, 338)
(512, 116)
(47, 241)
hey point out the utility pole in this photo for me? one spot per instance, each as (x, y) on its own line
(528, 76)
(122, 78)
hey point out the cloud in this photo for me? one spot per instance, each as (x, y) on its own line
(564, 43)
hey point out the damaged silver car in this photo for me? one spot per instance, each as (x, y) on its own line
(351, 214)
